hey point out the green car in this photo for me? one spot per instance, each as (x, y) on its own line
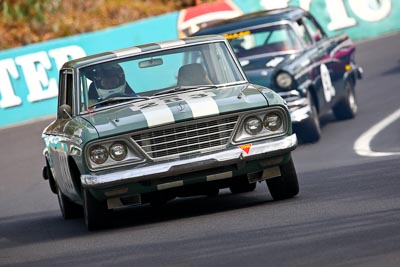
(150, 123)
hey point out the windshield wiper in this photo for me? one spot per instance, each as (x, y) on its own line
(185, 87)
(119, 98)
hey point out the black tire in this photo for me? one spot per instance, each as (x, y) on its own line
(285, 186)
(309, 131)
(242, 185)
(347, 107)
(95, 212)
(47, 175)
(69, 209)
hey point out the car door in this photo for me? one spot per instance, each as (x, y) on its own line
(328, 70)
(59, 137)
(309, 63)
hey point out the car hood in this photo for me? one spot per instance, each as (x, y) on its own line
(178, 107)
(261, 69)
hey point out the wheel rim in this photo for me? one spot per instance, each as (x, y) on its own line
(352, 100)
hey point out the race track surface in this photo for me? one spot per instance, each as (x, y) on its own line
(347, 212)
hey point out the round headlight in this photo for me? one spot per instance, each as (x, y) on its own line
(284, 80)
(273, 121)
(98, 154)
(118, 151)
(253, 125)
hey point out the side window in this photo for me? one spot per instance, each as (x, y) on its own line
(303, 33)
(65, 88)
(314, 29)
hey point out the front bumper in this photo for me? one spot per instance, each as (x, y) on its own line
(259, 150)
(299, 106)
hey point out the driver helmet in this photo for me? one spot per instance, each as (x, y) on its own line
(109, 79)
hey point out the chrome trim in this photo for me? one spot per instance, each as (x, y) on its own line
(134, 154)
(262, 135)
(234, 155)
(291, 93)
(360, 72)
(294, 100)
(299, 107)
(179, 137)
(300, 114)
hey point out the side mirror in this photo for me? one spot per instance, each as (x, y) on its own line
(65, 112)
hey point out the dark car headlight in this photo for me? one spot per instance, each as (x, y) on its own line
(118, 151)
(98, 154)
(284, 80)
(253, 125)
(273, 121)
(264, 124)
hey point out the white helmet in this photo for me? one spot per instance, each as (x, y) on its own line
(109, 79)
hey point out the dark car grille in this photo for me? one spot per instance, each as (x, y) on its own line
(187, 137)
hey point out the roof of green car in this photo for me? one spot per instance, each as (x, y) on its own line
(252, 19)
(134, 50)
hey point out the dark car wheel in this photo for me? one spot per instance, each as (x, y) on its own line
(95, 212)
(241, 185)
(285, 186)
(69, 209)
(309, 131)
(347, 107)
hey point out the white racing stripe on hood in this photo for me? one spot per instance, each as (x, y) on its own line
(157, 113)
(202, 106)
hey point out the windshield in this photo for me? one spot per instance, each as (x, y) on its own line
(270, 39)
(148, 75)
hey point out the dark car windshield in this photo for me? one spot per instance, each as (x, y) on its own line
(265, 40)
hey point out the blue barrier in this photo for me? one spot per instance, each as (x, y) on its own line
(29, 75)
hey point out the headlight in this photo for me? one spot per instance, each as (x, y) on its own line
(273, 121)
(253, 125)
(98, 154)
(107, 153)
(284, 80)
(270, 122)
(118, 151)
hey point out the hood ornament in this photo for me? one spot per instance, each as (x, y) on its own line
(181, 107)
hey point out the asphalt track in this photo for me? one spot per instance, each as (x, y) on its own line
(347, 212)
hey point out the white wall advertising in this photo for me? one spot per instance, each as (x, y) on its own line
(29, 75)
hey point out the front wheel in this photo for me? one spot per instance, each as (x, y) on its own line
(347, 107)
(95, 212)
(309, 130)
(69, 209)
(285, 186)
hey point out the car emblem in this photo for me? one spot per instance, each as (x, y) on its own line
(181, 107)
(246, 148)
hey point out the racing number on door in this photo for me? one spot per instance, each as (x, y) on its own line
(329, 90)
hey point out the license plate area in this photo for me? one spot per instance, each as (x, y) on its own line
(268, 173)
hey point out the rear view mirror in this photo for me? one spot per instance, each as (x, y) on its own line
(150, 63)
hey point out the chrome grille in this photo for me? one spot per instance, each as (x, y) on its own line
(185, 138)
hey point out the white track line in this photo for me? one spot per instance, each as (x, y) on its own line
(362, 144)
